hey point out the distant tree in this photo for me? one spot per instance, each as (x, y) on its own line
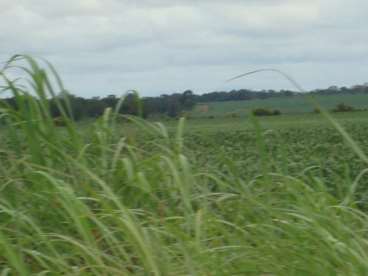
(341, 107)
(94, 107)
(131, 105)
(187, 100)
(110, 101)
(173, 107)
(265, 112)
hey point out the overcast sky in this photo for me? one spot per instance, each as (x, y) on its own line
(105, 47)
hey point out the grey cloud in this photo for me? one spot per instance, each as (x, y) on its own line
(162, 46)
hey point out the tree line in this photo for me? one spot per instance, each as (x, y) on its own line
(176, 104)
(171, 105)
(246, 94)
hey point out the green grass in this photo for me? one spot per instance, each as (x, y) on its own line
(287, 105)
(276, 196)
(286, 121)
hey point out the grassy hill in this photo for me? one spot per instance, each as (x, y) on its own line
(288, 105)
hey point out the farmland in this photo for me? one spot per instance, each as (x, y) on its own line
(282, 195)
(301, 120)
(291, 144)
(287, 105)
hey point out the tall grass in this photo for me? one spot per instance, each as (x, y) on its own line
(104, 201)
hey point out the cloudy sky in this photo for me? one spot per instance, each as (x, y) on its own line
(105, 47)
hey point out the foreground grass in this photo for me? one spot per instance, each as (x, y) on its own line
(107, 201)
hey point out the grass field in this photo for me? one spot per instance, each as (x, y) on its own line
(300, 120)
(287, 105)
(285, 195)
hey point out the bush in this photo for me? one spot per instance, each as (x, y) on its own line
(276, 112)
(341, 107)
(266, 112)
(232, 115)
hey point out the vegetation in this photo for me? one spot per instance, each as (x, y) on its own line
(246, 94)
(81, 108)
(265, 112)
(235, 101)
(286, 105)
(341, 107)
(113, 198)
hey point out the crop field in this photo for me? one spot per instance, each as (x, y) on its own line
(287, 145)
(301, 120)
(287, 105)
(283, 195)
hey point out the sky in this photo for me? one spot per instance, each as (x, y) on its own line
(102, 47)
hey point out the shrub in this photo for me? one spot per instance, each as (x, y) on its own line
(276, 112)
(341, 107)
(266, 112)
(232, 115)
